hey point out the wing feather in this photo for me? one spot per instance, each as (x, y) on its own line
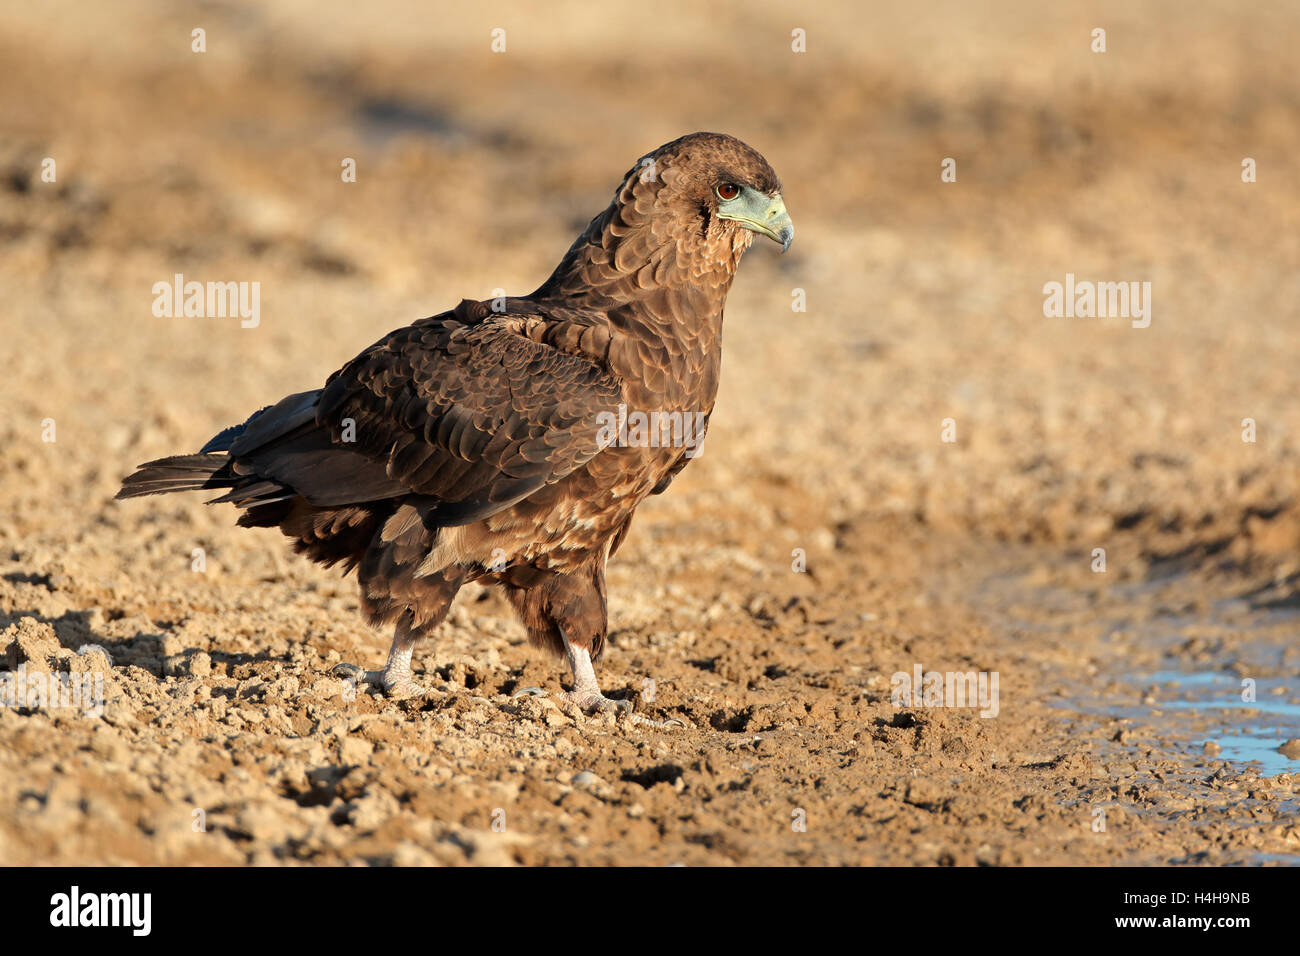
(469, 414)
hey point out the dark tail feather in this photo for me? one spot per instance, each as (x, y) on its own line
(253, 491)
(179, 473)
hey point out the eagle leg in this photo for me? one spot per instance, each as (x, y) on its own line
(586, 691)
(395, 679)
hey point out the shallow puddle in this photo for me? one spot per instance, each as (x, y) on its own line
(1208, 712)
(1197, 668)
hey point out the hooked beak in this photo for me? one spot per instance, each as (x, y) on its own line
(762, 214)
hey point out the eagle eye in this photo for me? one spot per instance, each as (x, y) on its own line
(727, 191)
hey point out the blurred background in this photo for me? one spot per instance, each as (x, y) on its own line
(924, 303)
(476, 168)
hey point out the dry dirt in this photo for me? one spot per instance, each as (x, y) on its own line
(924, 303)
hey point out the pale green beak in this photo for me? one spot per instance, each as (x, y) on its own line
(764, 214)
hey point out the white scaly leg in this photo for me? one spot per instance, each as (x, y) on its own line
(586, 691)
(395, 679)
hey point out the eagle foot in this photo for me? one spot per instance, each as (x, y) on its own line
(587, 701)
(396, 686)
(594, 702)
(590, 702)
(586, 695)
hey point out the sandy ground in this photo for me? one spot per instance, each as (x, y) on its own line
(224, 739)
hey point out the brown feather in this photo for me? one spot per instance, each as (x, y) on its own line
(475, 433)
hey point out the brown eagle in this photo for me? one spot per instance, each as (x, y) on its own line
(491, 443)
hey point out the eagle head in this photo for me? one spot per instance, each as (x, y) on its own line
(714, 184)
(681, 219)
